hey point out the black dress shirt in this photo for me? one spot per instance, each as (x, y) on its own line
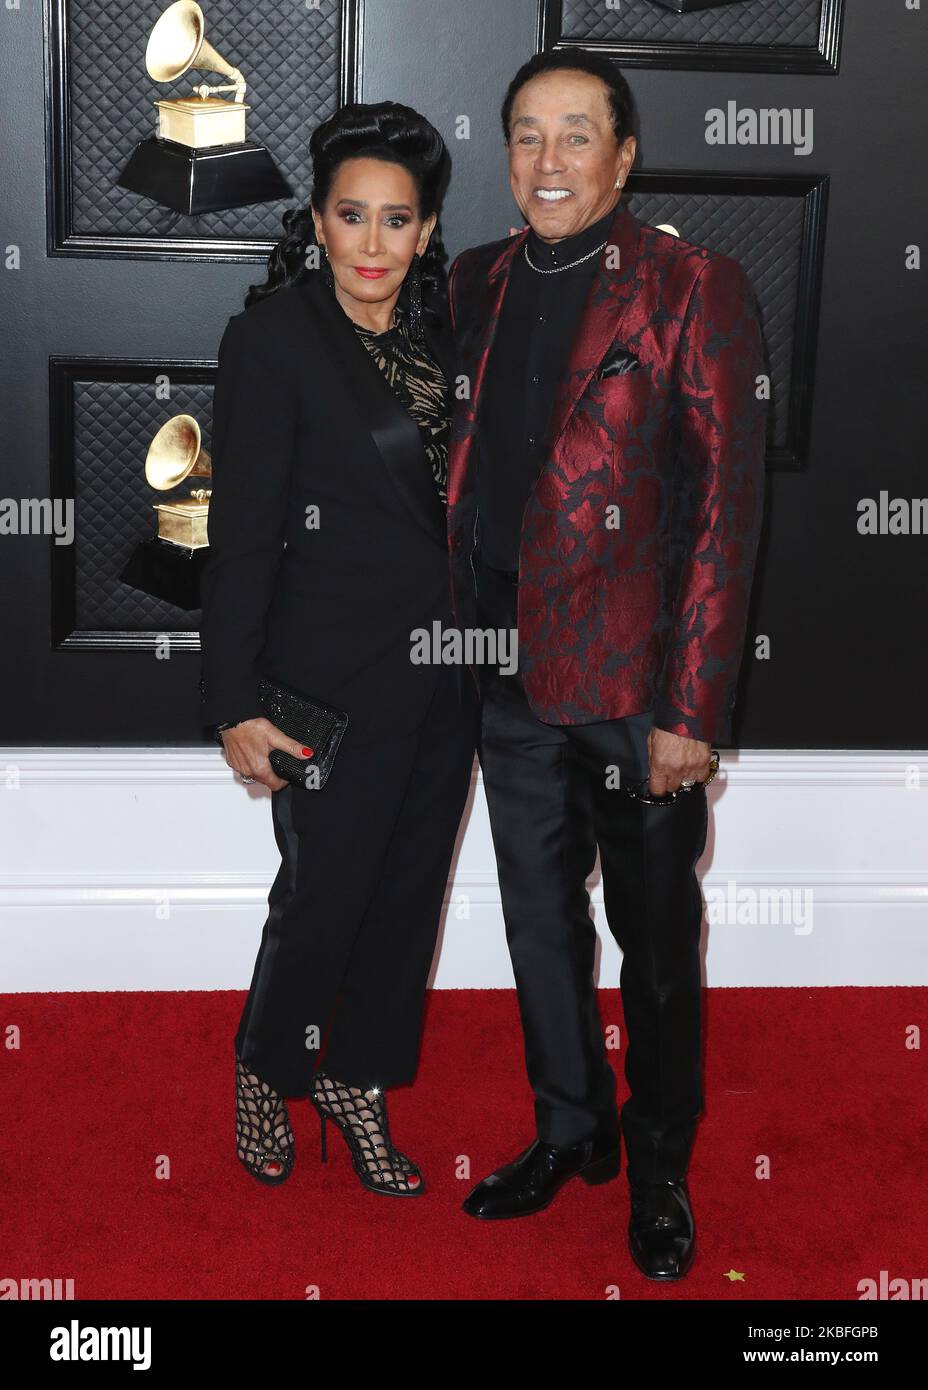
(538, 320)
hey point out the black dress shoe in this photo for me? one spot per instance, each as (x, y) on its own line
(661, 1232)
(531, 1181)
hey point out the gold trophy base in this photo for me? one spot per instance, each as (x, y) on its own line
(201, 123)
(183, 523)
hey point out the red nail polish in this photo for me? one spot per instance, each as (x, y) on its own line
(308, 752)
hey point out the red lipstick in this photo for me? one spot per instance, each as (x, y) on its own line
(369, 272)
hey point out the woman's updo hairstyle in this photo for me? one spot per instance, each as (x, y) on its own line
(381, 130)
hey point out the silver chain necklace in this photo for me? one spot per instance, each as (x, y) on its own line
(570, 264)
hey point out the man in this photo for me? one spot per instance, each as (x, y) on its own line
(605, 494)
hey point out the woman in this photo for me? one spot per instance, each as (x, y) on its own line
(328, 550)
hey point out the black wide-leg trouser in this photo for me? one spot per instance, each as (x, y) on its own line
(354, 912)
(551, 803)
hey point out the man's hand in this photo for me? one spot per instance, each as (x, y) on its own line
(247, 746)
(673, 759)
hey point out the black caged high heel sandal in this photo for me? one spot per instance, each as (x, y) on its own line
(361, 1116)
(264, 1139)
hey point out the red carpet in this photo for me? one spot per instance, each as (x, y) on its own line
(103, 1085)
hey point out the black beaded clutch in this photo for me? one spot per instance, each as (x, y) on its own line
(317, 726)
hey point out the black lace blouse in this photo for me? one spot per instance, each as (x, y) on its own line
(420, 387)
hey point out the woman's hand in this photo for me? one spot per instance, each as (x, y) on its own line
(248, 745)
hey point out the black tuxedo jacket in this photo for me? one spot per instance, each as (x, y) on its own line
(303, 420)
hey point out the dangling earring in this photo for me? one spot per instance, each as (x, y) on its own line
(415, 296)
(326, 269)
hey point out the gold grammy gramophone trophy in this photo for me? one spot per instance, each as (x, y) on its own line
(174, 454)
(200, 160)
(168, 565)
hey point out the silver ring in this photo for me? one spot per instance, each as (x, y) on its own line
(687, 785)
(244, 779)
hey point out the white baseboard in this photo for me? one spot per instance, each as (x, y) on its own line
(115, 873)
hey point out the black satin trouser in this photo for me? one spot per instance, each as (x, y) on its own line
(354, 911)
(550, 805)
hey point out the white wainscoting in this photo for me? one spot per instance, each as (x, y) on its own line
(148, 868)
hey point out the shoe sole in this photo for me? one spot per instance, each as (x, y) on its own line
(387, 1192)
(604, 1169)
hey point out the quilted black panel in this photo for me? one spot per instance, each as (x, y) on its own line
(760, 22)
(765, 235)
(290, 57)
(113, 426)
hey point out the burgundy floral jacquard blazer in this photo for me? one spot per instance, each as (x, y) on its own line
(640, 533)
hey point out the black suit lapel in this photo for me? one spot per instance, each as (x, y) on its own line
(394, 432)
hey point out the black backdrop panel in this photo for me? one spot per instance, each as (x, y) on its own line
(779, 35)
(299, 64)
(775, 227)
(104, 415)
(840, 608)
